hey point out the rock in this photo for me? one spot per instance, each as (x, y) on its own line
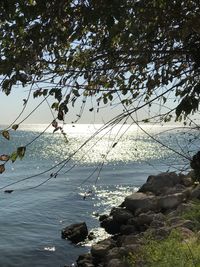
(126, 240)
(85, 260)
(103, 217)
(121, 252)
(116, 253)
(157, 224)
(140, 201)
(183, 207)
(185, 224)
(75, 232)
(170, 201)
(116, 263)
(185, 232)
(195, 162)
(160, 233)
(158, 184)
(175, 220)
(159, 216)
(187, 180)
(196, 192)
(144, 219)
(91, 236)
(127, 229)
(111, 226)
(178, 188)
(101, 249)
(121, 215)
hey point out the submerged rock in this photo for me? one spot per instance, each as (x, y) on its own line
(75, 232)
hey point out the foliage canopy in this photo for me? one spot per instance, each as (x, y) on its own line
(139, 50)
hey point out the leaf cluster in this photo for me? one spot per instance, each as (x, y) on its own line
(138, 48)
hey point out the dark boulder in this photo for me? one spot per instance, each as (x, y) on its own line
(101, 249)
(75, 232)
(128, 229)
(103, 217)
(111, 226)
(140, 202)
(121, 215)
(85, 260)
(195, 162)
(159, 184)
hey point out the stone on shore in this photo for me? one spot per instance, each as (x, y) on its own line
(75, 232)
(196, 192)
(171, 201)
(159, 184)
(141, 202)
(85, 260)
(112, 227)
(121, 215)
(155, 210)
(101, 249)
(116, 263)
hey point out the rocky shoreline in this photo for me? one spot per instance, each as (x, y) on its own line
(156, 209)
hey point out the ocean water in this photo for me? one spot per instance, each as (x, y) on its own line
(90, 180)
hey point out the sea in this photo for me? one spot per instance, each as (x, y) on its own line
(74, 176)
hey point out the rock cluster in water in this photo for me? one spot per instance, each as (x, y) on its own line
(76, 233)
(155, 207)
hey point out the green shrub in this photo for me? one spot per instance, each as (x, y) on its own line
(193, 214)
(170, 252)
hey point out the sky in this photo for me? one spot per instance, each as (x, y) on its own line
(12, 105)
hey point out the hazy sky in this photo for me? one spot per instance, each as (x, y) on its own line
(12, 105)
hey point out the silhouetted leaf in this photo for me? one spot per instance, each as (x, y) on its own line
(114, 145)
(4, 157)
(6, 134)
(60, 115)
(2, 168)
(76, 93)
(54, 124)
(8, 191)
(56, 129)
(15, 127)
(21, 151)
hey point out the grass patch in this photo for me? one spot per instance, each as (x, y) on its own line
(193, 214)
(172, 251)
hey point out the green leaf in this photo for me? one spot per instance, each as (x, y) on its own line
(13, 156)
(6, 134)
(21, 151)
(55, 105)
